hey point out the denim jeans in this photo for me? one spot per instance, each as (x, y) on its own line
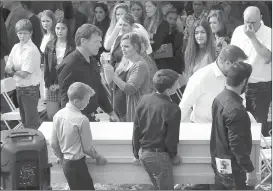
(234, 181)
(159, 168)
(258, 98)
(28, 98)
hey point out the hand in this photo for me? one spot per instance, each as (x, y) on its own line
(59, 161)
(52, 88)
(176, 160)
(249, 31)
(101, 160)
(114, 118)
(136, 162)
(251, 178)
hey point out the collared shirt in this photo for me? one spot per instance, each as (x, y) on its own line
(71, 136)
(231, 133)
(261, 71)
(26, 58)
(156, 124)
(192, 21)
(203, 86)
(75, 68)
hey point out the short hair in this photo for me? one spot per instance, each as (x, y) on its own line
(85, 31)
(135, 40)
(78, 90)
(232, 53)
(128, 18)
(23, 24)
(164, 79)
(237, 73)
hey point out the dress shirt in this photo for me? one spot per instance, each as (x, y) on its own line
(156, 124)
(261, 71)
(231, 133)
(71, 136)
(203, 86)
(26, 58)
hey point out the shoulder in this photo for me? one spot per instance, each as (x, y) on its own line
(238, 30)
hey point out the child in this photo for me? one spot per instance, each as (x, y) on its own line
(71, 138)
(24, 65)
(156, 131)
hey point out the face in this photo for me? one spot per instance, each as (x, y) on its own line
(61, 30)
(150, 8)
(200, 35)
(251, 20)
(173, 89)
(172, 18)
(76, 5)
(119, 13)
(100, 14)
(81, 104)
(46, 22)
(128, 50)
(24, 36)
(214, 24)
(93, 44)
(125, 27)
(136, 11)
(197, 6)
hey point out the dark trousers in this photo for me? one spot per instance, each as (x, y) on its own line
(258, 98)
(28, 98)
(236, 181)
(77, 175)
(158, 165)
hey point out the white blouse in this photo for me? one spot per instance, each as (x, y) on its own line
(60, 51)
(45, 40)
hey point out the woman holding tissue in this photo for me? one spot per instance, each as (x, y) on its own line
(131, 79)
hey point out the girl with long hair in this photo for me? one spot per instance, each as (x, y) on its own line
(56, 49)
(200, 49)
(114, 28)
(137, 10)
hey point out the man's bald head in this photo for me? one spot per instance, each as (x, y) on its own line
(252, 15)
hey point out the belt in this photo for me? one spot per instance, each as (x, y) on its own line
(27, 87)
(155, 150)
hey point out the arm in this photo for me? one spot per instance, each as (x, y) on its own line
(10, 65)
(86, 139)
(109, 40)
(159, 37)
(136, 133)
(261, 49)
(190, 96)
(234, 124)
(54, 142)
(136, 79)
(173, 129)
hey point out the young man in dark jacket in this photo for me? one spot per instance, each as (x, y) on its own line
(231, 140)
(156, 131)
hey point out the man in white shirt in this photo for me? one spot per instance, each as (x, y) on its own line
(205, 84)
(254, 38)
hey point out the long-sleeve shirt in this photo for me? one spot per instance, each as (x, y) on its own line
(156, 124)
(231, 134)
(71, 136)
(75, 68)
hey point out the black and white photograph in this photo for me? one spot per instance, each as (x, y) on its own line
(136, 95)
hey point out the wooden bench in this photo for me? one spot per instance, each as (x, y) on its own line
(114, 141)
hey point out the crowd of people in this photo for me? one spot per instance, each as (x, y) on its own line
(129, 58)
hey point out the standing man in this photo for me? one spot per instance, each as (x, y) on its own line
(254, 38)
(81, 66)
(231, 139)
(205, 84)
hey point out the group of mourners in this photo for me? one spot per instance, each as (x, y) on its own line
(129, 61)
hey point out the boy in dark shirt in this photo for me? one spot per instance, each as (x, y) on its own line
(156, 131)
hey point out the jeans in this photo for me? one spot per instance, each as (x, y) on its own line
(28, 98)
(159, 168)
(77, 175)
(234, 181)
(258, 98)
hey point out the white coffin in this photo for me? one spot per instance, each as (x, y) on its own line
(114, 141)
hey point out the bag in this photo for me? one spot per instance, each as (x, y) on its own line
(165, 51)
